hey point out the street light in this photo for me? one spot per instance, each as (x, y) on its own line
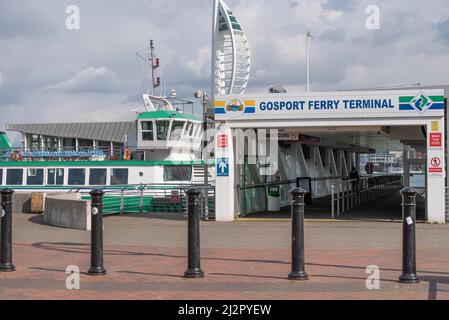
(204, 101)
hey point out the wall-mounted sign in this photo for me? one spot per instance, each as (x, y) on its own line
(222, 167)
(435, 126)
(325, 105)
(435, 165)
(435, 140)
(222, 141)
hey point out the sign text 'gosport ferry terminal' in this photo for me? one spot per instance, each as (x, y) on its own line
(330, 105)
(411, 119)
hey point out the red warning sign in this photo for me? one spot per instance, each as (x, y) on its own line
(435, 165)
(222, 141)
(435, 139)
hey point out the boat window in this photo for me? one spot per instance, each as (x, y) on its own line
(147, 131)
(177, 173)
(119, 177)
(14, 177)
(200, 131)
(176, 130)
(55, 177)
(195, 130)
(97, 177)
(190, 130)
(162, 129)
(35, 177)
(77, 177)
(1, 176)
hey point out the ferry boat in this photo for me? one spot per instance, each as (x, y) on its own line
(156, 155)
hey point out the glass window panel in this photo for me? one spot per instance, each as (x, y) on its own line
(97, 177)
(1, 176)
(77, 177)
(35, 177)
(147, 131)
(177, 173)
(55, 177)
(119, 176)
(162, 129)
(14, 177)
(147, 126)
(176, 130)
(190, 130)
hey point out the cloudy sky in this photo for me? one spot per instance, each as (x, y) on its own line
(49, 73)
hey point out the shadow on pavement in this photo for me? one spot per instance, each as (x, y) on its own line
(85, 248)
(433, 285)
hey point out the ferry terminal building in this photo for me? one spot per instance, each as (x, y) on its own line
(415, 119)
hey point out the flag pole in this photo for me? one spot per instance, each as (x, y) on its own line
(308, 35)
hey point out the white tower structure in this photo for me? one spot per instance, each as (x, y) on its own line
(230, 52)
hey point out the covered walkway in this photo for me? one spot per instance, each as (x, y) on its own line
(383, 209)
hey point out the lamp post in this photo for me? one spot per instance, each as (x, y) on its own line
(203, 96)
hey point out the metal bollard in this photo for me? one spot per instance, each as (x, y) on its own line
(408, 236)
(193, 235)
(298, 268)
(6, 231)
(96, 235)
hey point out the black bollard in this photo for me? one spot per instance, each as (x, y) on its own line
(96, 236)
(298, 268)
(193, 235)
(6, 229)
(408, 236)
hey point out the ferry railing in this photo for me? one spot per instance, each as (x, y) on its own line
(348, 194)
(150, 198)
(81, 153)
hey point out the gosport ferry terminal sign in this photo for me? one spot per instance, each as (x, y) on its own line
(332, 105)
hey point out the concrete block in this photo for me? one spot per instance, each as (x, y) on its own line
(68, 211)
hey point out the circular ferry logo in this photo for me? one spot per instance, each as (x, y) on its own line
(235, 105)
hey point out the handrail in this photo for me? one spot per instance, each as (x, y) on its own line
(141, 197)
(356, 192)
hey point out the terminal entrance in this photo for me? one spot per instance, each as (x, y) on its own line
(350, 172)
(352, 159)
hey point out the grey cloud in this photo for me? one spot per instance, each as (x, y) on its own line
(91, 80)
(343, 5)
(333, 34)
(443, 30)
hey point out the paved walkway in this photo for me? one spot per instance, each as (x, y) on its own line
(146, 258)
